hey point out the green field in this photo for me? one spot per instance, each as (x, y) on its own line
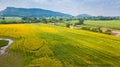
(115, 24)
(42, 45)
(12, 19)
(3, 43)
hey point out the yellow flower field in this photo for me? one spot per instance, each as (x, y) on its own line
(42, 45)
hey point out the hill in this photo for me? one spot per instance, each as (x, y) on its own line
(84, 16)
(31, 12)
(42, 45)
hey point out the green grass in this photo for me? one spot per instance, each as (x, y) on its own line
(107, 23)
(43, 45)
(11, 19)
(3, 43)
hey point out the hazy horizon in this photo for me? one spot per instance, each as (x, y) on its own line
(72, 7)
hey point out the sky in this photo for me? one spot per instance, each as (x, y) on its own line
(72, 7)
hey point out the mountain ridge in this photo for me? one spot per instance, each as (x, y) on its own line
(34, 12)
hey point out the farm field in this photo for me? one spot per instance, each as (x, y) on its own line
(3, 43)
(12, 19)
(115, 24)
(42, 45)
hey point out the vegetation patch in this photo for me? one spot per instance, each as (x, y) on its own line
(3, 43)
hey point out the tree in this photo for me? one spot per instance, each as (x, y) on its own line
(30, 19)
(3, 18)
(44, 20)
(81, 22)
(68, 25)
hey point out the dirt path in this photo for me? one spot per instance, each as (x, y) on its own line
(4, 48)
(116, 33)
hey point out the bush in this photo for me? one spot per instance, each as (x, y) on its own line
(85, 28)
(68, 25)
(81, 21)
(109, 31)
(94, 29)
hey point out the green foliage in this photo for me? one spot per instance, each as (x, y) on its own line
(18, 20)
(81, 21)
(68, 25)
(108, 31)
(89, 28)
(85, 28)
(3, 43)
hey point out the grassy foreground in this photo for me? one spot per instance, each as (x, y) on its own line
(50, 46)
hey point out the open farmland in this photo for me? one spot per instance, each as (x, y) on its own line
(115, 24)
(11, 19)
(42, 45)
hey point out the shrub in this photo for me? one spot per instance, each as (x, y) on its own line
(109, 31)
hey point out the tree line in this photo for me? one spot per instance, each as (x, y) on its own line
(100, 18)
(3, 20)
